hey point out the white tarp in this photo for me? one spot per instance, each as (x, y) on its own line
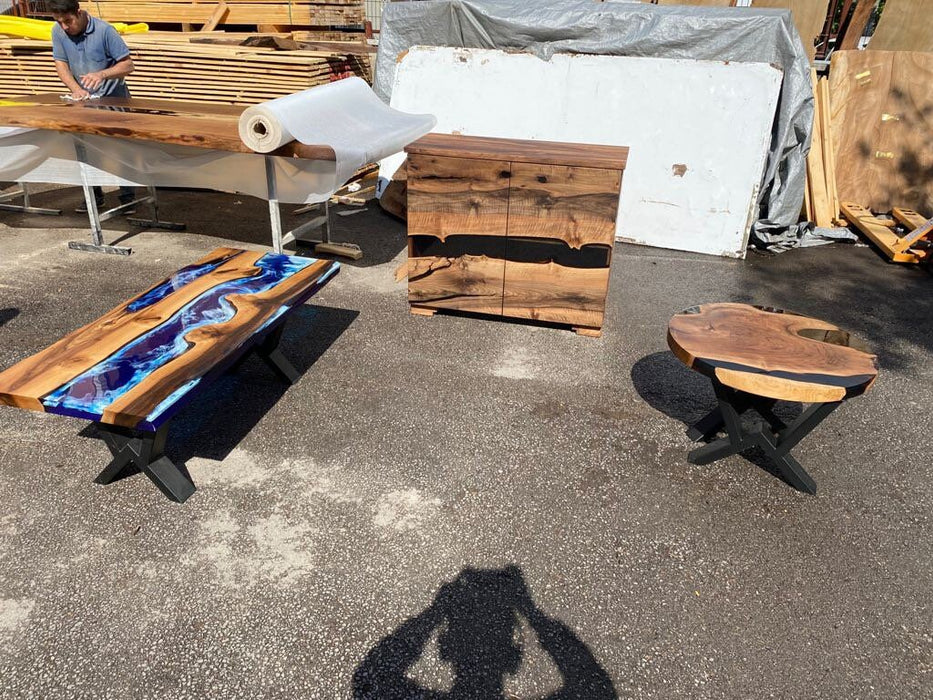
(699, 132)
(350, 119)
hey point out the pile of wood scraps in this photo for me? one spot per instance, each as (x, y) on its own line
(182, 66)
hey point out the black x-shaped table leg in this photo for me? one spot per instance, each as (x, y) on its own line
(776, 439)
(145, 451)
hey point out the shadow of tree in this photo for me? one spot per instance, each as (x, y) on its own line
(477, 617)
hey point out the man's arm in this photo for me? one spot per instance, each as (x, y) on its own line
(120, 69)
(64, 74)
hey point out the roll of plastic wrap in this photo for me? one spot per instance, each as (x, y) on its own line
(345, 115)
(261, 127)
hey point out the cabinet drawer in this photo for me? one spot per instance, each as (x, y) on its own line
(576, 205)
(465, 283)
(457, 196)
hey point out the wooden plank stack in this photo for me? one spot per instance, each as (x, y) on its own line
(821, 199)
(179, 66)
(320, 13)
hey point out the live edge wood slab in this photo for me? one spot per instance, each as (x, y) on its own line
(211, 126)
(512, 228)
(134, 368)
(756, 356)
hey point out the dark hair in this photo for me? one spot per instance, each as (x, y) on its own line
(62, 7)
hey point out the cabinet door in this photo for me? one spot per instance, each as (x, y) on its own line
(457, 196)
(575, 205)
(561, 230)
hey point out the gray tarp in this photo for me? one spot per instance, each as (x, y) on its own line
(547, 27)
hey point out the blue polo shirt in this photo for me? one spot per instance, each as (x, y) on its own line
(98, 48)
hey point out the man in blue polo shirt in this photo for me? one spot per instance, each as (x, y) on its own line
(91, 60)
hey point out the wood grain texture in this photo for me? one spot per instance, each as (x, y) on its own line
(905, 25)
(163, 121)
(136, 362)
(553, 293)
(772, 353)
(572, 204)
(457, 196)
(466, 283)
(857, 24)
(882, 118)
(521, 151)
(809, 18)
(816, 166)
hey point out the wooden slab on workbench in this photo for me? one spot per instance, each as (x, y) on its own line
(136, 364)
(201, 125)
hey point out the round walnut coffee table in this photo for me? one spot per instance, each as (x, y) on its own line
(756, 356)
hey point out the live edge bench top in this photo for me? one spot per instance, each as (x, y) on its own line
(580, 155)
(772, 353)
(135, 366)
(204, 125)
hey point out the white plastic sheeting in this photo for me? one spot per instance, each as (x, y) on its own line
(546, 27)
(693, 173)
(346, 115)
(349, 118)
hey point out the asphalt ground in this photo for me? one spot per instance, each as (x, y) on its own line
(460, 507)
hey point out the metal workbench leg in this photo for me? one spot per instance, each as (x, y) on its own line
(97, 235)
(152, 199)
(275, 216)
(25, 208)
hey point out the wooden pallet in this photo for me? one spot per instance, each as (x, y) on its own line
(914, 245)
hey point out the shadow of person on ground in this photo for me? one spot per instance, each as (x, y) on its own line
(675, 390)
(7, 315)
(477, 617)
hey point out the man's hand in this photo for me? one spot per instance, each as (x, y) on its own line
(80, 94)
(92, 81)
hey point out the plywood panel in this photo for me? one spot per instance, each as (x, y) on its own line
(692, 177)
(905, 25)
(809, 17)
(882, 118)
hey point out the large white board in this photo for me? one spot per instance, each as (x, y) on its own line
(698, 131)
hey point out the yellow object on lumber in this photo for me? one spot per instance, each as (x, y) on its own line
(25, 28)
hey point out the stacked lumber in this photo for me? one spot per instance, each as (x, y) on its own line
(254, 12)
(180, 66)
(821, 199)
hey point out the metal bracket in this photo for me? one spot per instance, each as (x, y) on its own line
(25, 207)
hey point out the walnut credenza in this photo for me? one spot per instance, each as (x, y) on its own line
(512, 228)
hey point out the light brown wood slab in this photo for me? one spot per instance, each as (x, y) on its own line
(772, 353)
(905, 25)
(882, 119)
(521, 151)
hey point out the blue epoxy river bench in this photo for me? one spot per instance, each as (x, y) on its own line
(134, 368)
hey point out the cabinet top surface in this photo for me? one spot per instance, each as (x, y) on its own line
(522, 151)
